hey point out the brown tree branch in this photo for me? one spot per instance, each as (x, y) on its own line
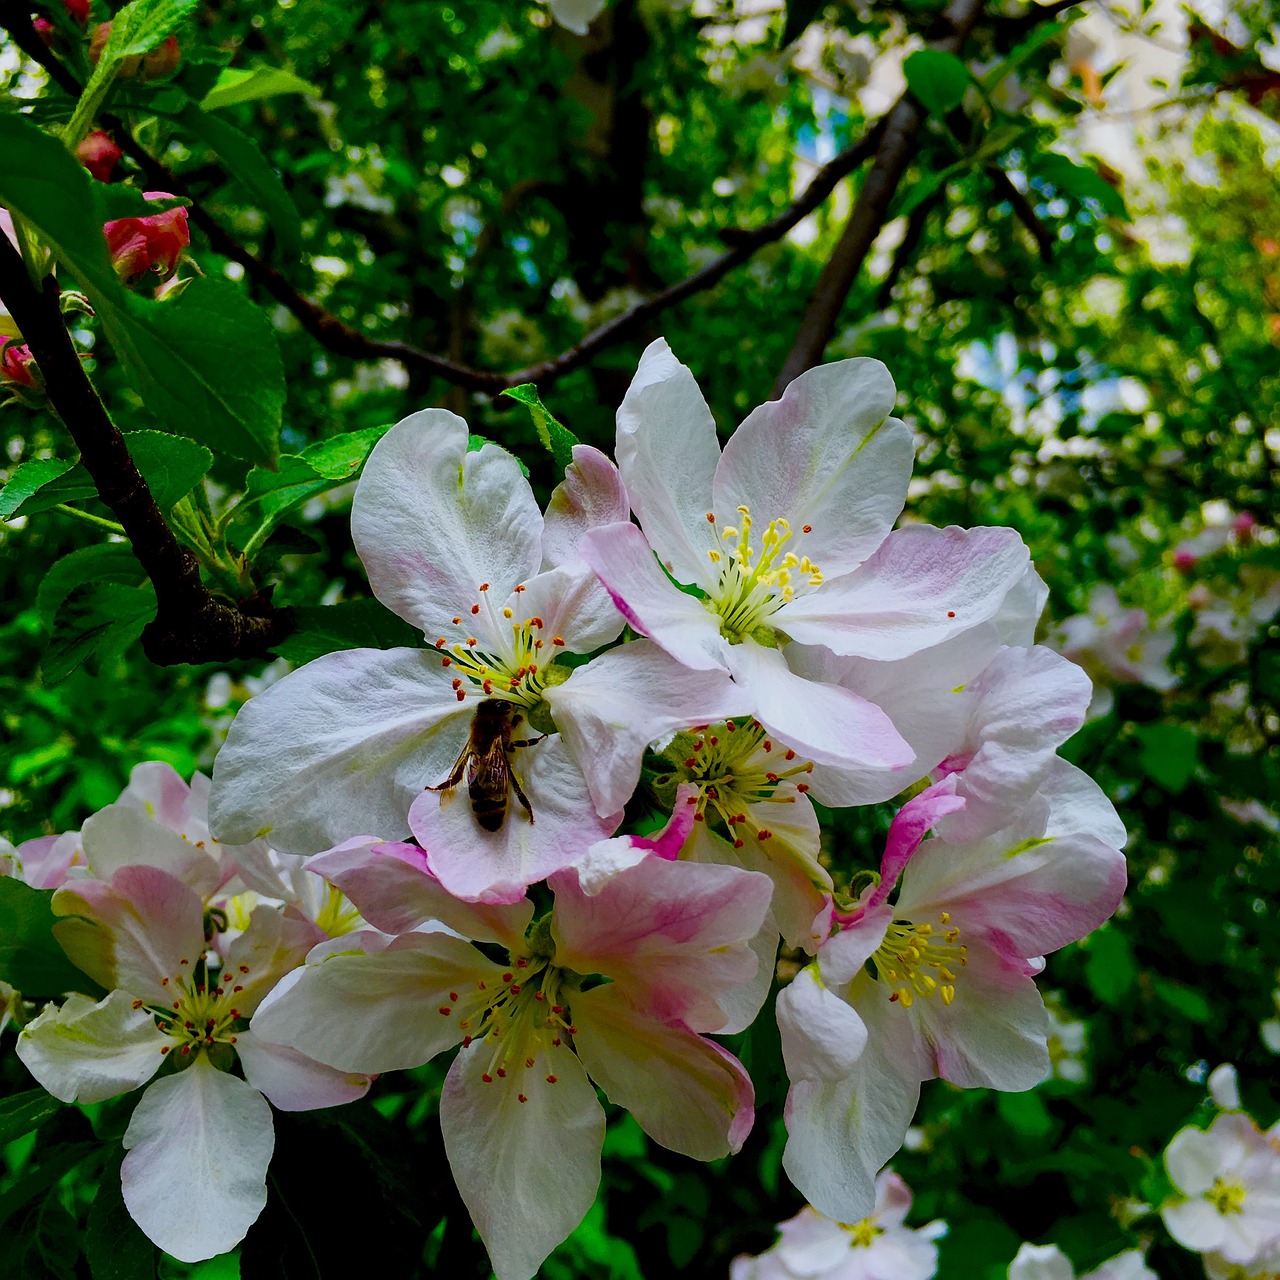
(895, 152)
(190, 625)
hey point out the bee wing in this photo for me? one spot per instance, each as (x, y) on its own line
(491, 767)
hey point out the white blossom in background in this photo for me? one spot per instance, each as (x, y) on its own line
(1048, 1262)
(576, 15)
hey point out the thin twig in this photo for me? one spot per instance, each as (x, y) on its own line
(190, 625)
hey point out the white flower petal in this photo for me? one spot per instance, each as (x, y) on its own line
(293, 1082)
(1041, 1262)
(590, 496)
(199, 1143)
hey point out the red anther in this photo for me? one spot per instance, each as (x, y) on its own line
(487, 1078)
(715, 742)
(737, 844)
(235, 1013)
(231, 1039)
(791, 755)
(893, 999)
(771, 777)
(186, 1049)
(556, 1042)
(445, 1010)
(462, 697)
(522, 963)
(471, 642)
(807, 529)
(557, 1008)
(551, 1079)
(445, 662)
(528, 1062)
(482, 985)
(440, 644)
(767, 745)
(951, 613)
(691, 799)
(573, 1031)
(199, 990)
(558, 640)
(515, 988)
(466, 1042)
(137, 1004)
(698, 817)
(457, 621)
(165, 1050)
(177, 1004)
(484, 586)
(521, 1098)
(537, 622)
(164, 982)
(533, 668)
(217, 991)
(453, 995)
(457, 682)
(244, 968)
(475, 608)
(519, 587)
(508, 976)
(762, 834)
(539, 995)
(711, 519)
(487, 686)
(502, 1073)
(730, 726)
(210, 1023)
(184, 961)
(802, 787)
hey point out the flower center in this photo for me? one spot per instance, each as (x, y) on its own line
(203, 1012)
(515, 670)
(1226, 1197)
(755, 582)
(737, 766)
(526, 1015)
(917, 961)
(862, 1234)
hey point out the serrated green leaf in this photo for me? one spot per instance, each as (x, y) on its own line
(171, 465)
(92, 616)
(22, 1112)
(354, 624)
(937, 79)
(207, 360)
(1079, 180)
(249, 84)
(27, 480)
(30, 958)
(141, 25)
(104, 562)
(557, 438)
(245, 162)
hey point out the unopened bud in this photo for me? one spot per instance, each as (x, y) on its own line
(45, 30)
(78, 9)
(19, 369)
(99, 155)
(150, 244)
(1244, 525)
(163, 60)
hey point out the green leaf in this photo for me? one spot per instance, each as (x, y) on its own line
(140, 26)
(1110, 969)
(1187, 1001)
(22, 1112)
(30, 958)
(1079, 180)
(937, 79)
(171, 465)
(557, 439)
(354, 624)
(114, 1245)
(27, 480)
(118, 200)
(104, 562)
(207, 359)
(236, 86)
(1025, 1114)
(245, 162)
(1168, 755)
(91, 617)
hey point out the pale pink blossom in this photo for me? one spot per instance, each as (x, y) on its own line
(1048, 1262)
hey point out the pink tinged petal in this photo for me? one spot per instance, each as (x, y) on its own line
(672, 935)
(822, 1037)
(431, 521)
(293, 1082)
(575, 607)
(1041, 1262)
(686, 1093)
(1077, 805)
(395, 891)
(840, 1132)
(344, 744)
(527, 1170)
(843, 956)
(498, 866)
(119, 836)
(822, 722)
(382, 1011)
(158, 790)
(47, 861)
(610, 710)
(668, 452)
(812, 1245)
(139, 932)
(87, 1052)
(909, 826)
(893, 1199)
(1033, 895)
(922, 587)
(1193, 1160)
(650, 602)
(826, 455)
(199, 1143)
(993, 1033)
(274, 944)
(668, 842)
(590, 496)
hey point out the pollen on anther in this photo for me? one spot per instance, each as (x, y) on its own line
(791, 755)
(551, 1079)
(441, 642)
(453, 995)
(137, 1004)
(466, 1042)
(737, 844)
(508, 976)
(462, 697)
(519, 587)
(484, 586)
(235, 991)
(802, 787)
(558, 640)
(711, 518)
(457, 620)
(184, 961)
(502, 1073)
(951, 613)
(445, 1010)
(487, 1078)
(521, 1098)
(528, 1062)
(506, 613)
(177, 1004)
(446, 662)
(539, 995)
(806, 528)
(475, 608)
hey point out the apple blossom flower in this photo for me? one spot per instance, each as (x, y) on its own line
(360, 740)
(99, 154)
(1265, 1267)
(879, 1247)
(670, 937)
(1228, 1180)
(1224, 1087)
(150, 244)
(1048, 1262)
(785, 539)
(200, 1139)
(940, 983)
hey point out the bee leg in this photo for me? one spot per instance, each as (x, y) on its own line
(520, 795)
(455, 777)
(529, 742)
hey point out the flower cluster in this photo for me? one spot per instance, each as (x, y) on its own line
(579, 820)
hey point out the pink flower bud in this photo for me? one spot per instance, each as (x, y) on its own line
(98, 154)
(45, 30)
(163, 60)
(78, 9)
(1245, 523)
(154, 243)
(17, 366)
(1184, 560)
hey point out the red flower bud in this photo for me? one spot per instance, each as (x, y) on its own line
(77, 9)
(154, 243)
(163, 60)
(45, 30)
(98, 154)
(17, 366)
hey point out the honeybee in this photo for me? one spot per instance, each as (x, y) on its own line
(486, 763)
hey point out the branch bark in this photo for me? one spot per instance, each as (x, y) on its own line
(894, 154)
(191, 625)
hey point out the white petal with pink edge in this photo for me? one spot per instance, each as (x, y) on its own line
(341, 745)
(590, 496)
(199, 1143)
(121, 836)
(293, 1082)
